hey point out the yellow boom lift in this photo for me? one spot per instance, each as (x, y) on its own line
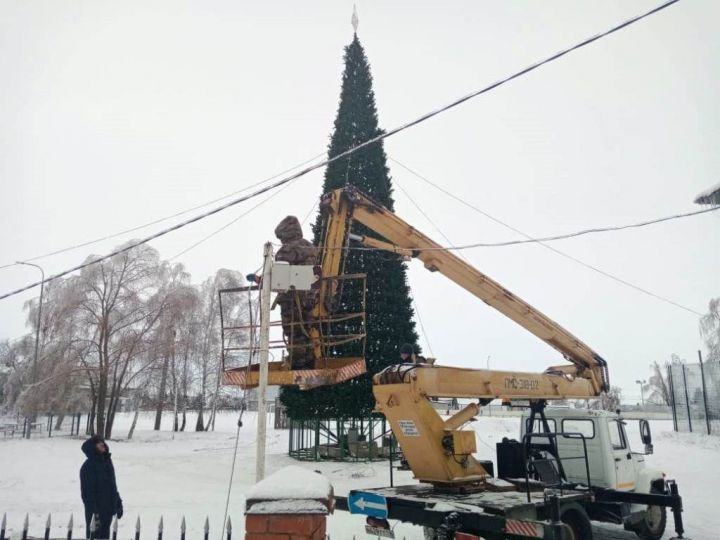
(438, 451)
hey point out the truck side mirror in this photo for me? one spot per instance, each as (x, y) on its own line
(646, 436)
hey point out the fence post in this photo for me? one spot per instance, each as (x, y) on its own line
(687, 398)
(26, 525)
(206, 528)
(137, 529)
(160, 529)
(672, 397)
(182, 529)
(50, 423)
(93, 528)
(47, 528)
(704, 389)
(3, 525)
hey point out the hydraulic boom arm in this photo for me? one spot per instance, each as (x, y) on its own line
(439, 451)
(347, 204)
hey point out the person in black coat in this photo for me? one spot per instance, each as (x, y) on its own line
(98, 487)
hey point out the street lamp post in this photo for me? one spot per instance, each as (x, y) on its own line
(37, 334)
(642, 395)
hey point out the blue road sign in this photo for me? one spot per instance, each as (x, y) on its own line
(370, 504)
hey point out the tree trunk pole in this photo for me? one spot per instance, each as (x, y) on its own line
(265, 297)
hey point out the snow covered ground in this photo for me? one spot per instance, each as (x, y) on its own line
(188, 476)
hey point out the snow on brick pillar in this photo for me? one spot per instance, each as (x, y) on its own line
(291, 504)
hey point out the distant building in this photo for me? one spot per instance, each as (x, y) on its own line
(709, 196)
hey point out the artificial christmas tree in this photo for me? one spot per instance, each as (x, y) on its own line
(389, 314)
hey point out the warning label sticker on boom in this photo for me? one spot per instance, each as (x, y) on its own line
(408, 428)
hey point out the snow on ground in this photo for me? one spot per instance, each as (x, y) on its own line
(188, 476)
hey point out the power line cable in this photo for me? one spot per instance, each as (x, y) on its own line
(309, 213)
(422, 326)
(166, 218)
(231, 222)
(557, 251)
(425, 215)
(373, 140)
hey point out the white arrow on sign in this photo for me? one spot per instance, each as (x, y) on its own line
(362, 504)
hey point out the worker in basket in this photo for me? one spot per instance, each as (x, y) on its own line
(296, 306)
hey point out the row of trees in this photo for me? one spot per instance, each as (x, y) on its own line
(130, 327)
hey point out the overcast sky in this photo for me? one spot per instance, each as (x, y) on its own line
(116, 114)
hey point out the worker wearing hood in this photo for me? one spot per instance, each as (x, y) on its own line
(98, 487)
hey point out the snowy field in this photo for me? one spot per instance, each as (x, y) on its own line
(189, 476)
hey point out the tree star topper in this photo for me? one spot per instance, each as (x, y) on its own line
(354, 19)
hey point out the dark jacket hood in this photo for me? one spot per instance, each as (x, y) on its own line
(88, 447)
(289, 229)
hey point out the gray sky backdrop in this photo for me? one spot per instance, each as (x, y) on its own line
(115, 114)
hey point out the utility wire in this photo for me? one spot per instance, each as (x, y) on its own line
(541, 241)
(309, 212)
(430, 221)
(166, 218)
(422, 326)
(341, 155)
(231, 222)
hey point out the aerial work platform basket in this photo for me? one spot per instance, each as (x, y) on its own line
(305, 351)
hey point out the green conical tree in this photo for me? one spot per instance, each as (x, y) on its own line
(388, 304)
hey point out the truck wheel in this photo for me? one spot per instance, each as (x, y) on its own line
(579, 524)
(652, 526)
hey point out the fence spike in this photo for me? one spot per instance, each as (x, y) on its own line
(48, 522)
(207, 524)
(182, 525)
(3, 524)
(47, 528)
(229, 526)
(160, 525)
(93, 527)
(70, 523)
(26, 522)
(137, 524)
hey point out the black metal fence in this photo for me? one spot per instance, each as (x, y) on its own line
(72, 530)
(695, 396)
(45, 424)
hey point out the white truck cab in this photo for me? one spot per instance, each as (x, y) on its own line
(611, 462)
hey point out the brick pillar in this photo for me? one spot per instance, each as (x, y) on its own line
(292, 504)
(285, 526)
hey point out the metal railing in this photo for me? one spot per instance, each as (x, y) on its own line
(695, 396)
(71, 530)
(529, 460)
